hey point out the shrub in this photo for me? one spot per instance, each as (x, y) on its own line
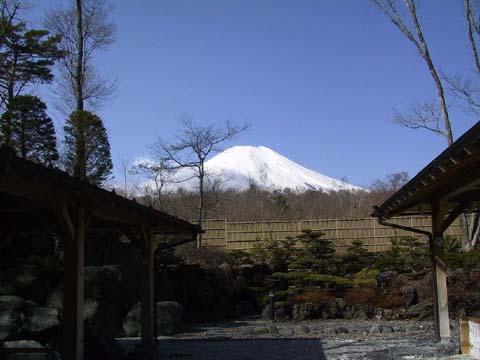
(355, 258)
(468, 260)
(275, 253)
(407, 254)
(367, 277)
(317, 254)
(290, 276)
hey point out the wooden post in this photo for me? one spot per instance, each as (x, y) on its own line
(439, 268)
(147, 307)
(73, 284)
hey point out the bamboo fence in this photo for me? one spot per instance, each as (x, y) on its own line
(229, 236)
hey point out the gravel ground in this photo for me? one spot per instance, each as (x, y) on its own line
(253, 339)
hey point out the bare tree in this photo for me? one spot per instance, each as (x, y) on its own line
(159, 175)
(435, 116)
(85, 29)
(193, 144)
(423, 116)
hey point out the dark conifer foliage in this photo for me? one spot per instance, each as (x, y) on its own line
(32, 131)
(26, 57)
(87, 149)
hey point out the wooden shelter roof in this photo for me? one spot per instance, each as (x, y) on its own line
(452, 177)
(29, 193)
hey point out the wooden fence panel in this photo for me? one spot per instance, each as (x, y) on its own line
(230, 236)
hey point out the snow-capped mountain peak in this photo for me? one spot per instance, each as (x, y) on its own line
(239, 167)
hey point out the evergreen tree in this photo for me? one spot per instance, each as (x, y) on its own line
(87, 149)
(26, 57)
(31, 130)
(316, 253)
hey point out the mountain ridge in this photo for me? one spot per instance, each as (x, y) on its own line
(242, 166)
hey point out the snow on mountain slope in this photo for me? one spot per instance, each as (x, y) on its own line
(241, 166)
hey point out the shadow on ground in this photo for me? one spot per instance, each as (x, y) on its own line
(251, 349)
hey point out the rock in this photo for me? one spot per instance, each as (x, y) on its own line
(411, 296)
(273, 330)
(11, 302)
(305, 311)
(375, 329)
(381, 329)
(26, 281)
(169, 317)
(387, 329)
(25, 344)
(38, 319)
(260, 331)
(54, 298)
(98, 345)
(106, 302)
(10, 323)
(341, 330)
(420, 311)
(302, 330)
(445, 348)
(358, 311)
(20, 316)
(385, 279)
(246, 331)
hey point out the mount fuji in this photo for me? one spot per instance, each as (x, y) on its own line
(240, 167)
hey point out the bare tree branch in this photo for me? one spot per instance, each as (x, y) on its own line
(80, 81)
(415, 34)
(193, 144)
(424, 115)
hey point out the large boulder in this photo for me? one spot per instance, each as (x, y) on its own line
(107, 297)
(421, 311)
(410, 295)
(20, 317)
(22, 280)
(26, 344)
(169, 317)
(10, 324)
(386, 279)
(37, 319)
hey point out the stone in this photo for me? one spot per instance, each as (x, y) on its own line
(387, 329)
(246, 331)
(54, 298)
(445, 348)
(385, 279)
(169, 317)
(12, 302)
(305, 311)
(411, 296)
(341, 330)
(106, 302)
(302, 330)
(273, 330)
(375, 329)
(26, 344)
(420, 311)
(381, 329)
(10, 323)
(36, 319)
(260, 331)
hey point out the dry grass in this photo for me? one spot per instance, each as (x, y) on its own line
(315, 296)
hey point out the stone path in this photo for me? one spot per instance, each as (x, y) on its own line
(253, 339)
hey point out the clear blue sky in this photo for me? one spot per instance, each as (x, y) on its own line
(317, 79)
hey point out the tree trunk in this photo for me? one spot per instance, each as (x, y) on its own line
(201, 201)
(79, 70)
